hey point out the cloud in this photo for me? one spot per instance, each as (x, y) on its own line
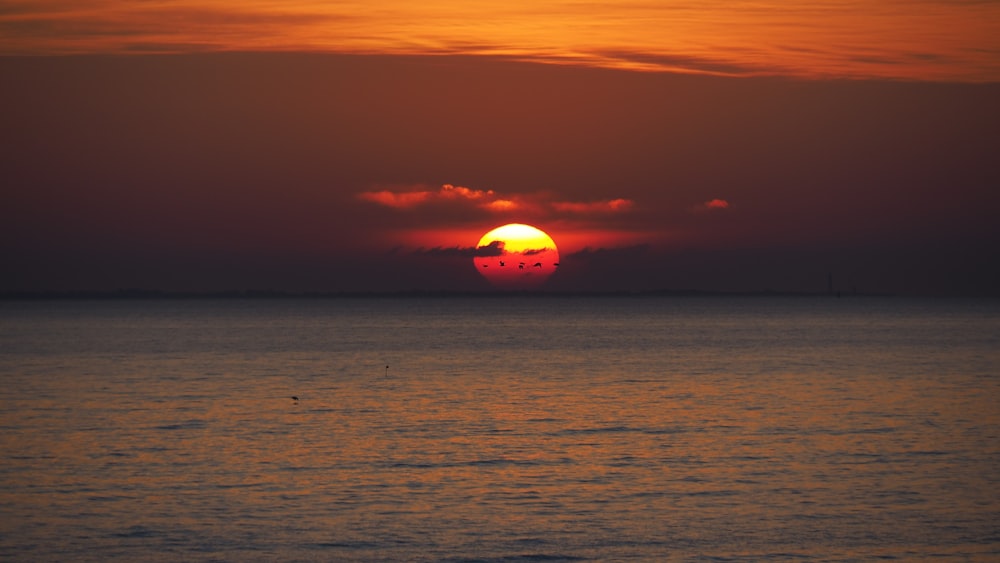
(395, 200)
(502, 205)
(675, 62)
(624, 252)
(494, 248)
(609, 206)
(413, 198)
(491, 201)
(710, 205)
(737, 40)
(449, 191)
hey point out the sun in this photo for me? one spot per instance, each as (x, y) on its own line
(516, 256)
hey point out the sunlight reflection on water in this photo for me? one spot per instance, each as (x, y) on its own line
(506, 429)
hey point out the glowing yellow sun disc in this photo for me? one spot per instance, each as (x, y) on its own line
(516, 256)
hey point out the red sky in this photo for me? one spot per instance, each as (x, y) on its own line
(354, 168)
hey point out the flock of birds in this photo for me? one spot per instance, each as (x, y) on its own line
(520, 265)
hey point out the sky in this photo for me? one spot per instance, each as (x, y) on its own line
(348, 146)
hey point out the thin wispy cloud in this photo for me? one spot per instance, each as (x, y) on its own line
(940, 40)
(398, 200)
(410, 197)
(635, 251)
(609, 206)
(710, 205)
(493, 202)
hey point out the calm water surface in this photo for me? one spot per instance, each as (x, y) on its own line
(505, 429)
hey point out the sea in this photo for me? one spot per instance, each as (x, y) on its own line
(500, 429)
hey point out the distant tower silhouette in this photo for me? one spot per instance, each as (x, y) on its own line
(829, 283)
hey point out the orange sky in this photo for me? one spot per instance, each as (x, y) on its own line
(903, 39)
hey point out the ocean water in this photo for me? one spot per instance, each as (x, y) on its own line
(503, 429)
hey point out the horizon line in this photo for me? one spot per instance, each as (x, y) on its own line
(157, 294)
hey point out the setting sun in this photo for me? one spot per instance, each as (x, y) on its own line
(516, 256)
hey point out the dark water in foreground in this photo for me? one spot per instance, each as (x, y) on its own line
(506, 429)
